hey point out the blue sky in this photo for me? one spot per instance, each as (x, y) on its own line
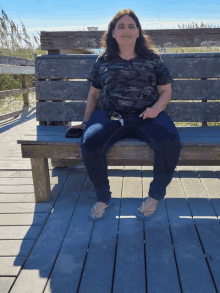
(47, 15)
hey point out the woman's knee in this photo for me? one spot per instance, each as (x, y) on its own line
(94, 138)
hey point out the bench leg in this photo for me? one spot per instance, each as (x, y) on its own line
(41, 179)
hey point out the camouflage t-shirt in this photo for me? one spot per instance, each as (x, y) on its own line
(129, 86)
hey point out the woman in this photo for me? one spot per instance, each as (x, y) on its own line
(131, 86)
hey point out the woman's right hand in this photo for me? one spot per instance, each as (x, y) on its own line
(82, 126)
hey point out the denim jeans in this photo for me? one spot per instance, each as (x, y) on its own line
(101, 133)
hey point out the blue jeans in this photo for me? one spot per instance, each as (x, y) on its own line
(101, 133)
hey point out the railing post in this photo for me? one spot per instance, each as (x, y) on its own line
(24, 86)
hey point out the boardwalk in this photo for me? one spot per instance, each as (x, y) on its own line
(54, 247)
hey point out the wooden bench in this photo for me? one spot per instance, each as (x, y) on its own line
(55, 85)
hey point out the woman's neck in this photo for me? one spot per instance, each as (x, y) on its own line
(127, 55)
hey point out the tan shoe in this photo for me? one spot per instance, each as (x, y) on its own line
(98, 210)
(147, 209)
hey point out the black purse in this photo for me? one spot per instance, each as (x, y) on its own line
(74, 133)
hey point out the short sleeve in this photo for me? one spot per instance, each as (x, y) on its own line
(94, 76)
(163, 74)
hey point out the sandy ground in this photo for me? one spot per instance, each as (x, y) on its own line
(13, 103)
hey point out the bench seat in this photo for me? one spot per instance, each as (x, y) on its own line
(200, 145)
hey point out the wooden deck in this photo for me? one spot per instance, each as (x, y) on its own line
(55, 247)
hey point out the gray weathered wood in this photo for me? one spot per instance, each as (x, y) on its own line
(6, 283)
(13, 247)
(208, 228)
(30, 219)
(189, 136)
(60, 131)
(15, 69)
(78, 90)
(189, 255)
(8, 267)
(178, 111)
(200, 146)
(193, 65)
(39, 265)
(135, 156)
(41, 179)
(13, 60)
(19, 232)
(201, 37)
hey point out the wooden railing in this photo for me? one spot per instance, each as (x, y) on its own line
(22, 66)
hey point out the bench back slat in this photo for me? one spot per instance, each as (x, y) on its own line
(62, 90)
(185, 68)
(193, 65)
(178, 111)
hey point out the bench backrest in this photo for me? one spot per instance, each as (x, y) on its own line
(196, 77)
(64, 77)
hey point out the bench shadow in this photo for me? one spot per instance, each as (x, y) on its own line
(41, 215)
(177, 209)
(22, 118)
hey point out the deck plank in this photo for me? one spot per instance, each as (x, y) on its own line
(15, 247)
(11, 208)
(33, 219)
(10, 266)
(208, 228)
(189, 253)
(19, 232)
(160, 258)
(6, 283)
(129, 275)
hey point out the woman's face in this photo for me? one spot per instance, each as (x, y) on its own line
(126, 31)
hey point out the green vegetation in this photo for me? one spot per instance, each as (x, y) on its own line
(13, 47)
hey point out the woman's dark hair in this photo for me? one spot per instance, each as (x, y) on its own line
(143, 45)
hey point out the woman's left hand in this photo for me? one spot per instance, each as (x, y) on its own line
(149, 113)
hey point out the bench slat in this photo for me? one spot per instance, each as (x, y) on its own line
(200, 146)
(193, 65)
(166, 38)
(203, 136)
(121, 155)
(60, 131)
(78, 90)
(178, 111)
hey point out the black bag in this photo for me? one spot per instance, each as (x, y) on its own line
(74, 133)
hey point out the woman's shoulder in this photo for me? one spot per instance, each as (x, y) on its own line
(100, 57)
